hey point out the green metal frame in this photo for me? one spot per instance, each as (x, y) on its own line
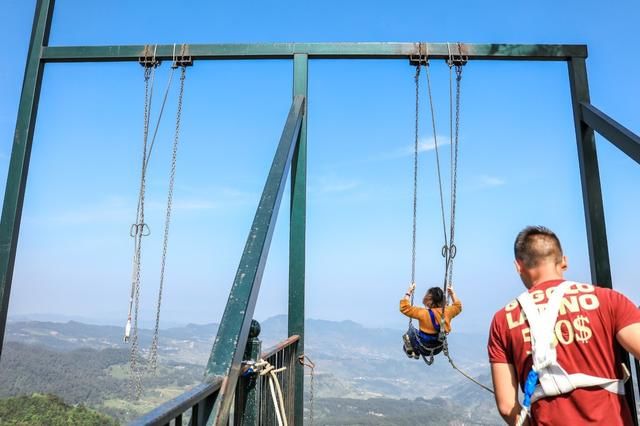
(297, 226)
(230, 342)
(20, 156)
(228, 347)
(614, 132)
(523, 52)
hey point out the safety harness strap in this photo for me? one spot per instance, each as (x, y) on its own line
(551, 377)
(542, 325)
(575, 381)
(436, 325)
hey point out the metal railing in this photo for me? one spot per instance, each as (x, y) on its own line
(194, 405)
(281, 356)
(253, 403)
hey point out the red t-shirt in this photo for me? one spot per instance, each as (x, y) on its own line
(588, 321)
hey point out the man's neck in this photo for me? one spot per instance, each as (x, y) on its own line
(546, 277)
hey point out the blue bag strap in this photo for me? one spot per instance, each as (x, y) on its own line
(436, 325)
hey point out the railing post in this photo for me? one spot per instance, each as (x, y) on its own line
(21, 154)
(248, 392)
(592, 196)
(297, 232)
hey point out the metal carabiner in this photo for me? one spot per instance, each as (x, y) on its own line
(141, 228)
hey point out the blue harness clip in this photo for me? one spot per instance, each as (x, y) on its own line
(530, 387)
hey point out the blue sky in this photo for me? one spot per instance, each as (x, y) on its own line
(518, 162)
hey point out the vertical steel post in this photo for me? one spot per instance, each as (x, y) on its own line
(592, 196)
(297, 232)
(21, 154)
(248, 391)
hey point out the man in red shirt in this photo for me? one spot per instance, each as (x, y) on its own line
(589, 321)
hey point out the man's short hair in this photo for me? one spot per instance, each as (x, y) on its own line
(535, 244)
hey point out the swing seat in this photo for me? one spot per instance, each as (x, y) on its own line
(419, 344)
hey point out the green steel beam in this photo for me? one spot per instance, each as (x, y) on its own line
(531, 52)
(592, 196)
(229, 345)
(297, 232)
(21, 154)
(590, 178)
(623, 138)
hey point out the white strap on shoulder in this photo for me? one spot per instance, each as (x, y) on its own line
(542, 324)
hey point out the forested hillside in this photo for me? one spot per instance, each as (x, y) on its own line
(95, 378)
(48, 410)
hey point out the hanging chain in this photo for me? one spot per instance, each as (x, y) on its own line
(454, 178)
(415, 179)
(449, 250)
(306, 362)
(138, 230)
(172, 176)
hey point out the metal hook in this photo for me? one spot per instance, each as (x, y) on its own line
(139, 228)
(452, 251)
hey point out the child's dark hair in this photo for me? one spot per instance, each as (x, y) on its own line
(437, 297)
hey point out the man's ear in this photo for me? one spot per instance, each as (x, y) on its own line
(518, 266)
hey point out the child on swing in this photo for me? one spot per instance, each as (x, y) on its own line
(429, 319)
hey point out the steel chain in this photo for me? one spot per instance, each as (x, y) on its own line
(136, 373)
(454, 190)
(172, 175)
(312, 366)
(449, 250)
(415, 180)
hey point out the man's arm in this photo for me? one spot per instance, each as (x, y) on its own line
(505, 385)
(629, 339)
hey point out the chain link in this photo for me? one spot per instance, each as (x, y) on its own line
(449, 250)
(134, 305)
(454, 178)
(306, 362)
(172, 176)
(415, 178)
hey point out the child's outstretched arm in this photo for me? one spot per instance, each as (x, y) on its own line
(410, 290)
(456, 304)
(405, 304)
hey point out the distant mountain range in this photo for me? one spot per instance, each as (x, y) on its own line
(353, 362)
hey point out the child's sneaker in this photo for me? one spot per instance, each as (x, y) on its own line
(407, 347)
